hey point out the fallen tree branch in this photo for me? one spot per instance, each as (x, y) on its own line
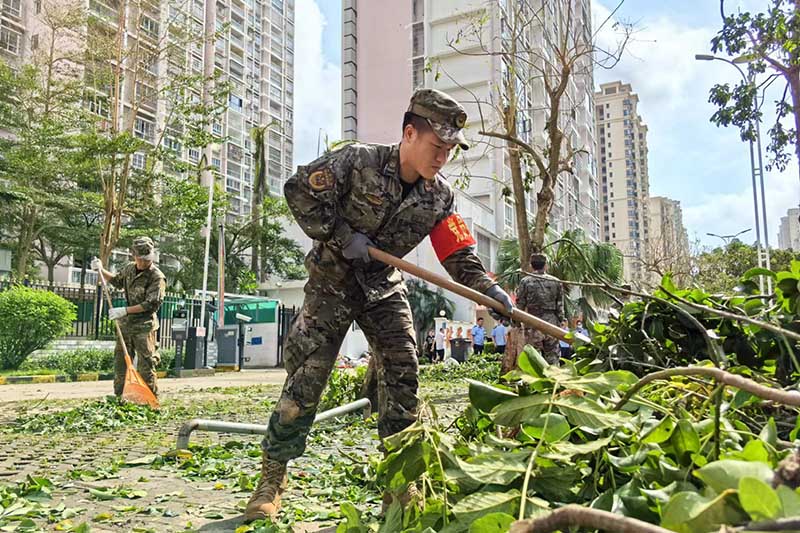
(733, 316)
(784, 524)
(575, 515)
(776, 395)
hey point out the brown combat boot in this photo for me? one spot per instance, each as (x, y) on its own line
(266, 500)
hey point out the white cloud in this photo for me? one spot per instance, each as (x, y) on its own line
(726, 213)
(317, 85)
(691, 160)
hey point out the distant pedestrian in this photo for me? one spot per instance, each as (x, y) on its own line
(566, 349)
(428, 347)
(439, 344)
(580, 329)
(499, 334)
(478, 337)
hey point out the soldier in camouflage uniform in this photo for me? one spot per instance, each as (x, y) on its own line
(144, 287)
(542, 296)
(390, 197)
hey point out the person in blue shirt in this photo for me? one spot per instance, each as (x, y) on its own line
(478, 336)
(499, 336)
(566, 349)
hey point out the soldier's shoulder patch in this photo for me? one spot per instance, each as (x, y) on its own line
(321, 180)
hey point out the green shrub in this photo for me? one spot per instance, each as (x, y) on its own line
(167, 359)
(29, 320)
(74, 362)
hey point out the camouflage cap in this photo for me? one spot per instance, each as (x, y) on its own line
(446, 116)
(144, 248)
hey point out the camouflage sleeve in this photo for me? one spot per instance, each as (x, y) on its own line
(464, 266)
(118, 281)
(314, 191)
(522, 295)
(155, 295)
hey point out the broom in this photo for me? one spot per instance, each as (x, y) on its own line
(135, 389)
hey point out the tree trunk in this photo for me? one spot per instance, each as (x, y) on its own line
(520, 208)
(25, 240)
(794, 87)
(544, 202)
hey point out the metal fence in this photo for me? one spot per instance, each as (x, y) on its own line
(91, 324)
(285, 318)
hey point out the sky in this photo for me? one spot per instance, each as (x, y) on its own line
(691, 160)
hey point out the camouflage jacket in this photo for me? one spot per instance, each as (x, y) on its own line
(358, 189)
(542, 297)
(145, 288)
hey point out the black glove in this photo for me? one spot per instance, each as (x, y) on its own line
(501, 296)
(356, 248)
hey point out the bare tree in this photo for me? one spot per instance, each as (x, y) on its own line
(544, 47)
(141, 64)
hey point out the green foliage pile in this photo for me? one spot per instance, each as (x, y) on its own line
(556, 438)
(89, 417)
(676, 327)
(344, 386)
(484, 367)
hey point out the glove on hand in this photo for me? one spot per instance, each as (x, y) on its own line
(501, 296)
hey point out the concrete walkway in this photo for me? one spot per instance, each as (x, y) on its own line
(99, 389)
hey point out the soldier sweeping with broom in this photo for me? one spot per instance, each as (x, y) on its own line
(144, 287)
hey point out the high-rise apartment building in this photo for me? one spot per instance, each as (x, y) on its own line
(254, 53)
(789, 230)
(668, 242)
(392, 47)
(622, 154)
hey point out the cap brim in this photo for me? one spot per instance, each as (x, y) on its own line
(449, 134)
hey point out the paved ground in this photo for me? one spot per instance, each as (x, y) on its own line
(99, 389)
(115, 473)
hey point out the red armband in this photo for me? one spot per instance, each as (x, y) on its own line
(449, 236)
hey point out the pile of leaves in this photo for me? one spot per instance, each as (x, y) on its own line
(485, 367)
(676, 327)
(561, 435)
(89, 417)
(23, 502)
(344, 386)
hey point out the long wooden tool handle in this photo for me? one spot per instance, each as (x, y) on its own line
(107, 294)
(516, 314)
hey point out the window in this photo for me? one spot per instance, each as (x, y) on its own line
(236, 102)
(194, 155)
(484, 250)
(34, 41)
(149, 26)
(10, 40)
(216, 162)
(12, 8)
(37, 7)
(138, 161)
(143, 129)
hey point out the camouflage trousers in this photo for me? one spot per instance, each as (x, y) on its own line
(310, 352)
(143, 346)
(519, 337)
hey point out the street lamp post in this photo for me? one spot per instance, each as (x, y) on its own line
(728, 238)
(757, 172)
